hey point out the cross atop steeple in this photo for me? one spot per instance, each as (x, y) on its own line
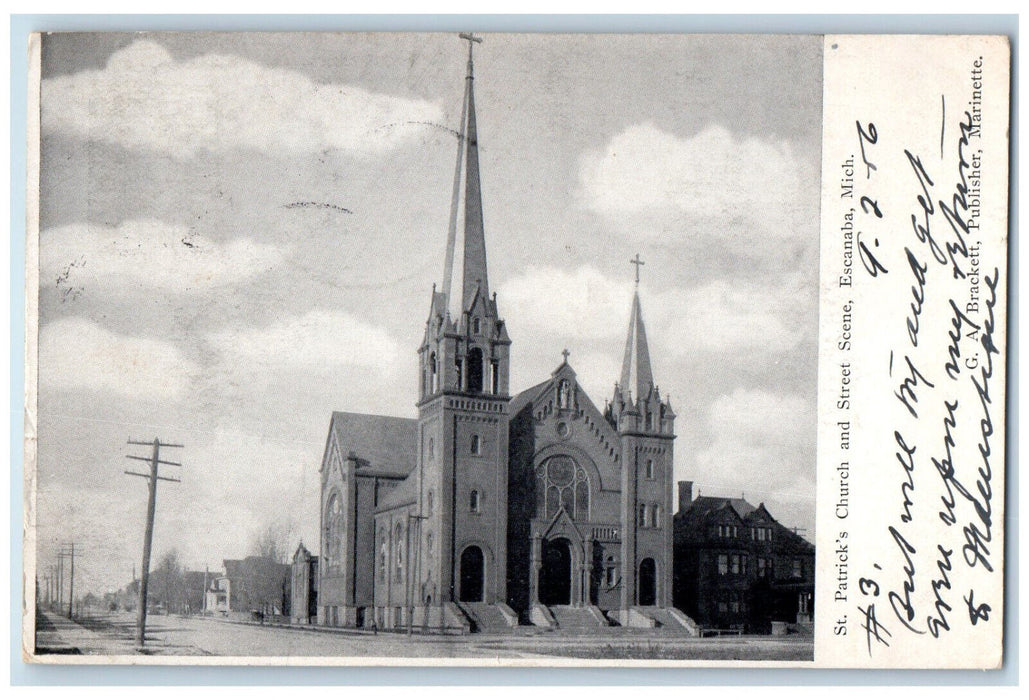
(565, 354)
(472, 41)
(638, 263)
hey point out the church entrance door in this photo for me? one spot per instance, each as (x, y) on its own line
(471, 575)
(648, 582)
(556, 575)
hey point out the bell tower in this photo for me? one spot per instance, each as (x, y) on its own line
(463, 401)
(645, 424)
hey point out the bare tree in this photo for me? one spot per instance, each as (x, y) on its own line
(273, 542)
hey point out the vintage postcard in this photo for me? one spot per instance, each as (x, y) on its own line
(516, 349)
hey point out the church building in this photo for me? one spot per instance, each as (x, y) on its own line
(493, 509)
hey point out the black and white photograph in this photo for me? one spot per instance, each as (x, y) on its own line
(356, 348)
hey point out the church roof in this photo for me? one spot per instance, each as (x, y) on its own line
(524, 398)
(385, 445)
(637, 376)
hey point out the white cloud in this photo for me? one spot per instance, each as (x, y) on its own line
(721, 316)
(735, 316)
(146, 253)
(321, 339)
(75, 353)
(761, 443)
(144, 97)
(711, 184)
(581, 304)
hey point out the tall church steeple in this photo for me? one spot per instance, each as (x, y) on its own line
(473, 271)
(466, 343)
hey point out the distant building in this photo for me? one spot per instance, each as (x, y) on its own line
(737, 568)
(251, 585)
(195, 586)
(304, 587)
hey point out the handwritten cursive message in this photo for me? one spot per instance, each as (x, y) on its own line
(913, 322)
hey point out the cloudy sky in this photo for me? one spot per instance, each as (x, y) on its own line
(190, 290)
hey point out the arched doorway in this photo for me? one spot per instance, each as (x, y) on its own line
(648, 582)
(555, 585)
(472, 570)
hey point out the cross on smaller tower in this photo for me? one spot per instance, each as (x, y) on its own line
(565, 353)
(638, 263)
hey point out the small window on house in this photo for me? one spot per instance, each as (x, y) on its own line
(474, 502)
(762, 565)
(723, 564)
(723, 605)
(734, 602)
(735, 532)
(650, 469)
(734, 563)
(769, 532)
(798, 568)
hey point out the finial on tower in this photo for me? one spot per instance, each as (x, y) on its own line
(638, 263)
(565, 354)
(472, 41)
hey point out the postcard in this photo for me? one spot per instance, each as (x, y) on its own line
(516, 349)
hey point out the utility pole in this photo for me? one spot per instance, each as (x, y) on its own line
(60, 582)
(70, 553)
(148, 534)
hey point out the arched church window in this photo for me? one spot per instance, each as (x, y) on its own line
(561, 483)
(434, 373)
(333, 531)
(475, 370)
(398, 545)
(383, 558)
(476, 445)
(475, 325)
(428, 543)
(474, 502)
(428, 502)
(656, 516)
(643, 515)
(650, 469)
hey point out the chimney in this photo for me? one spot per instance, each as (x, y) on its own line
(685, 494)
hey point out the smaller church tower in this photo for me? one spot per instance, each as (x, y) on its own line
(645, 424)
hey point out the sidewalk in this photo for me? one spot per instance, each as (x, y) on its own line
(56, 634)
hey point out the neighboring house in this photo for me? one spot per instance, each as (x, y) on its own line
(251, 585)
(510, 507)
(195, 585)
(737, 568)
(218, 593)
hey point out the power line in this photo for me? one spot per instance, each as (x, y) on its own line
(148, 535)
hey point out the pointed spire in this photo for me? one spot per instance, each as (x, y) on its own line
(473, 254)
(637, 379)
(474, 267)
